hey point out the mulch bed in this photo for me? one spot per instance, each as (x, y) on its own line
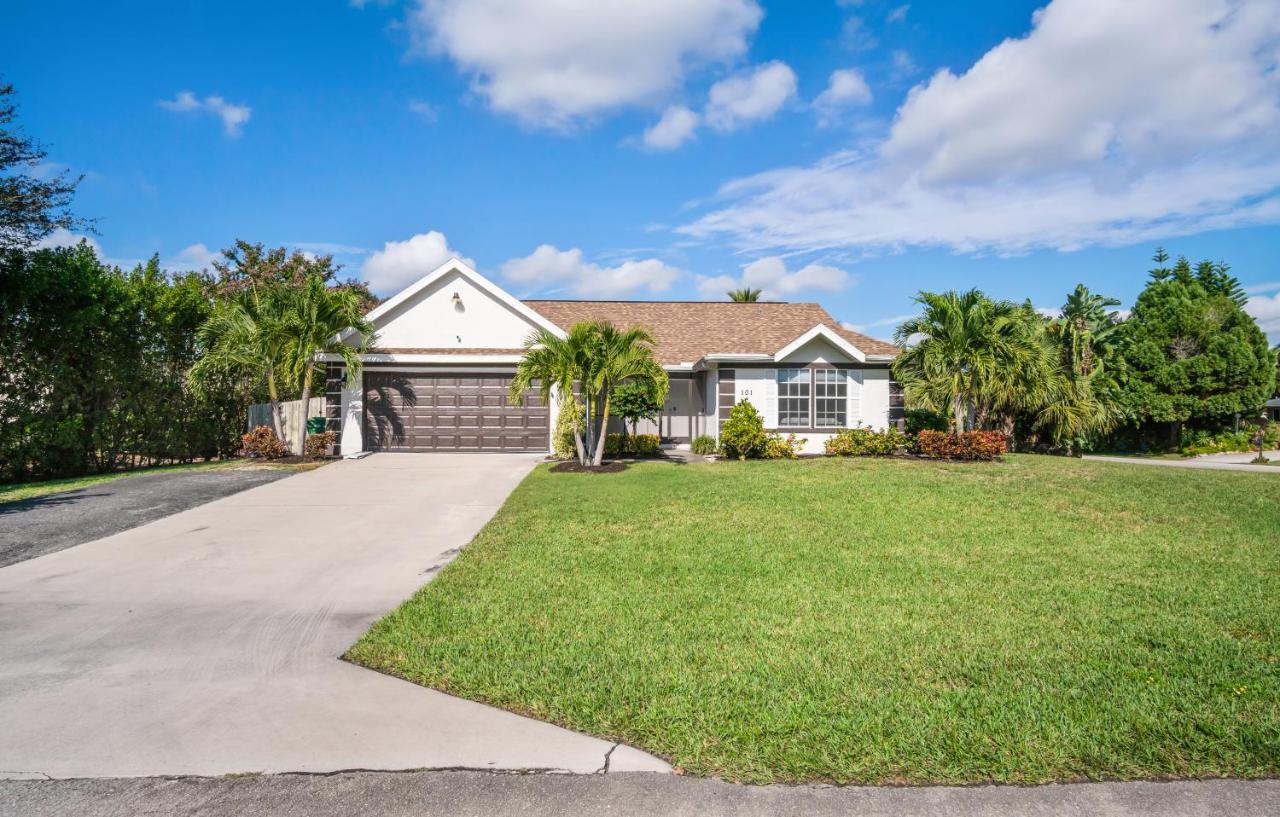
(574, 467)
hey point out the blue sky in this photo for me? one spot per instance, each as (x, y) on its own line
(846, 152)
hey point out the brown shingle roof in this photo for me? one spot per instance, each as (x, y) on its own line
(686, 331)
(451, 350)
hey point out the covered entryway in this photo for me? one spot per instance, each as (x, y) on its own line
(409, 411)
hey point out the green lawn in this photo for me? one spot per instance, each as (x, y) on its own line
(875, 620)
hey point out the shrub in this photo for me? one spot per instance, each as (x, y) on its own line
(635, 445)
(863, 442)
(562, 445)
(743, 434)
(703, 444)
(317, 445)
(971, 445)
(778, 448)
(923, 419)
(1194, 442)
(263, 443)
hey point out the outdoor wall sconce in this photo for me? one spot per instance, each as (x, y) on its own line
(456, 300)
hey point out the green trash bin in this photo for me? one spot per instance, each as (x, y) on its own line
(315, 425)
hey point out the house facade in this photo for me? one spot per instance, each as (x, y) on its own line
(437, 377)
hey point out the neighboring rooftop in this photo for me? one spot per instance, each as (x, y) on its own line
(687, 331)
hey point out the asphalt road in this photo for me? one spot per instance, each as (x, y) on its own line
(47, 524)
(617, 795)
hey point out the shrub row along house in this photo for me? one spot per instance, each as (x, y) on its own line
(448, 344)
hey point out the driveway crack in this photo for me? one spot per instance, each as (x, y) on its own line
(607, 757)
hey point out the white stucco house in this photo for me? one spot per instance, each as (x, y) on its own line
(447, 346)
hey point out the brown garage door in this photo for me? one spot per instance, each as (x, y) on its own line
(449, 412)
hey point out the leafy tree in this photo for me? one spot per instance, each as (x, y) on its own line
(246, 266)
(1191, 352)
(745, 295)
(970, 356)
(636, 401)
(30, 207)
(317, 320)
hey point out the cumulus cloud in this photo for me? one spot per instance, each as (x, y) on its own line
(776, 282)
(676, 127)
(233, 117)
(548, 267)
(750, 97)
(553, 63)
(1108, 123)
(1265, 309)
(193, 257)
(846, 88)
(400, 263)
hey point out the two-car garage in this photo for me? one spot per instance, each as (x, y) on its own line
(455, 411)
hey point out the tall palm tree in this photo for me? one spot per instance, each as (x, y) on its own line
(315, 317)
(619, 356)
(248, 331)
(746, 295)
(555, 364)
(970, 355)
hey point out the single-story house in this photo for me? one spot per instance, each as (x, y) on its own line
(1273, 410)
(448, 345)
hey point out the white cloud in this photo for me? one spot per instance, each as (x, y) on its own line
(1262, 286)
(750, 97)
(194, 257)
(845, 88)
(62, 237)
(898, 14)
(676, 127)
(1265, 309)
(553, 63)
(548, 267)
(772, 277)
(233, 117)
(328, 248)
(400, 263)
(1109, 123)
(882, 323)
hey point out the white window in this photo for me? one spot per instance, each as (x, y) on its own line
(831, 392)
(793, 398)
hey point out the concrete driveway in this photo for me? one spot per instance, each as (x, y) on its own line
(207, 642)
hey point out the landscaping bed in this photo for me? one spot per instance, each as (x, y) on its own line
(864, 620)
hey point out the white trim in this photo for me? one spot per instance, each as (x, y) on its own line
(826, 332)
(736, 357)
(456, 265)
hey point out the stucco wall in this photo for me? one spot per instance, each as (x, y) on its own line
(432, 320)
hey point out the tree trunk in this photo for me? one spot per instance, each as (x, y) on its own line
(302, 424)
(958, 412)
(277, 411)
(604, 428)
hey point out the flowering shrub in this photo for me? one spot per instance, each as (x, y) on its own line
(262, 443)
(743, 434)
(776, 447)
(971, 445)
(862, 442)
(638, 445)
(317, 445)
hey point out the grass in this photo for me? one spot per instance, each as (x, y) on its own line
(874, 621)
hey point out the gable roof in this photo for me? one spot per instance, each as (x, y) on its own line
(455, 265)
(687, 331)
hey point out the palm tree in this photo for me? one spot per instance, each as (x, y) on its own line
(619, 356)
(247, 331)
(746, 295)
(1087, 329)
(970, 356)
(554, 364)
(315, 318)
(597, 357)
